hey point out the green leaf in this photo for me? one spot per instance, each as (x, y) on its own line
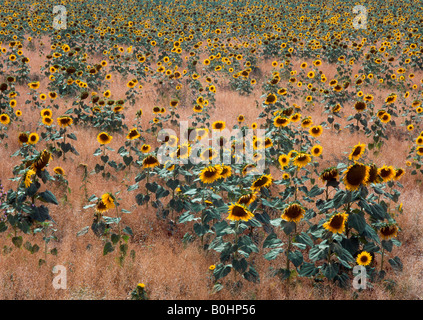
(3, 226)
(304, 238)
(17, 241)
(273, 254)
(272, 241)
(108, 247)
(48, 197)
(307, 270)
(128, 230)
(396, 263)
(387, 245)
(240, 265)
(357, 221)
(222, 271)
(296, 257)
(251, 275)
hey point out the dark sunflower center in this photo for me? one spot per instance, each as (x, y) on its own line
(293, 211)
(336, 222)
(356, 175)
(261, 181)
(239, 211)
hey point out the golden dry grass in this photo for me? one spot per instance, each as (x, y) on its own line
(169, 269)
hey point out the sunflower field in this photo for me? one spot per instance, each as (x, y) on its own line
(223, 149)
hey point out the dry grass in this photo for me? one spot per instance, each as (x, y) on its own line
(168, 268)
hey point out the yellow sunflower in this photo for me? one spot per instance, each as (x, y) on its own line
(336, 223)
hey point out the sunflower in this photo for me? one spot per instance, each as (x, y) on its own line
(219, 125)
(239, 212)
(150, 162)
(357, 151)
(249, 169)
(210, 174)
(398, 174)
(28, 178)
(364, 258)
(197, 108)
(271, 99)
(47, 121)
(329, 175)
(391, 99)
(419, 150)
(374, 175)
(385, 118)
(240, 118)
(108, 200)
(356, 175)
(41, 161)
(104, 138)
(23, 138)
(387, 173)
(263, 182)
(316, 131)
(208, 154)
(301, 160)
(293, 213)
(46, 113)
(100, 207)
(247, 199)
(389, 231)
(316, 150)
(226, 171)
(4, 119)
(33, 138)
(281, 122)
(183, 151)
(59, 171)
(133, 134)
(283, 160)
(64, 121)
(336, 223)
(145, 148)
(360, 106)
(306, 122)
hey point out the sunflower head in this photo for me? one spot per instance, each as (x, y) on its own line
(210, 174)
(388, 231)
(239, 212)
(356, 175)
(294, 212)
(104, 138)
(336, 223)
(357, 151)
(364, 258)
(150, 162)
(263, 182)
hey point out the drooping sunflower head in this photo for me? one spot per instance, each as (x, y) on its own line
(263, 182)
(150, 161)
(355, 176)
(247, 199)
(360, 106)
(109, 200)
(59, 171)
(364, 258)
(336, 223)
(104, 138)
(100, 207)
(329, 175)
(388, 231)
(42, 160)
(293, 212)
(239, 212)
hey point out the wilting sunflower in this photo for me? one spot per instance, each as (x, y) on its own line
(41, 161)
(360, 106)
(336, 223)
(301, 160)
(388, 231)
(316, 150)
(104, 138)
(247, 199)
(293, 213)
(239, 212)
(108, 200)
(355, 176)
(33, 138)
(64, 121)
(387, 173)
(4, 119)
(374, 175)
(150, 162)
(357, 151)
(59, 171)
(329, 175)
(263, 182)
(133, 134)
(28, 178)
(283, 160)
(364, 258)
(219, 125)
(316, 131)
(100, 207)
(210, 174)
(398, 174)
